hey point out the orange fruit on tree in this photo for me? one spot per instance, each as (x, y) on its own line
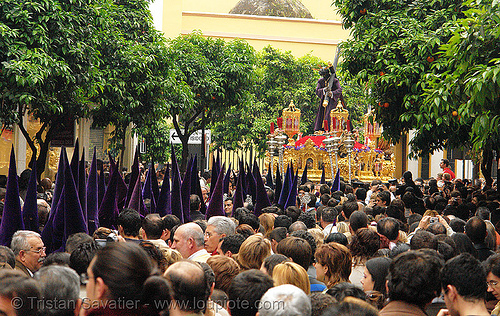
(386, 105)
(454, 113)
(382, 73)
(362, 11)
(430, 59)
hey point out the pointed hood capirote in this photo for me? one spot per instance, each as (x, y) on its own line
(186, 192)
(303, 179)
(262, 200)
(269, 176)
(12, 219)
(108, 210)
(323, 176)
(134, 174)
(175, 193)
(163, 205)
(216, 205)
(336, 182)
(30, 207)
(136, 200)
(74, 219)
(93, 196)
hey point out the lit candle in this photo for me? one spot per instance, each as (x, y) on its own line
(325, 124)
(348, 125)
(280, 122)
(272, 127)
(334, 120)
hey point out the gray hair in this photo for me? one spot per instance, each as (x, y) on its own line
(285, 300)
(223, 225)
(20, 240)
(192, 230)
(59, 283)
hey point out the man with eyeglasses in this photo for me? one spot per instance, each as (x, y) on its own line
(29, 250)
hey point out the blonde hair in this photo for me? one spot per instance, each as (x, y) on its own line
(253, 251)
(267, 221)
(318, 235)
(292, 273)
(431, 213)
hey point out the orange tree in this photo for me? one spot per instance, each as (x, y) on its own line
(469, 89)
(421, 70)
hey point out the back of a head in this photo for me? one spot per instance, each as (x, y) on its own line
(273, 260)
(7, 256)
(389, 227)
(297, 226)
(130, 220)
(423, 239)
(124, 267)
(358, 220)
(16, 285)
(351, 306)
(285, 300)
(337, 238)
(343, 290)
(467, 275)
(153, 226)
(278, 234)
(253, 251)
(329, 215)
(58, 283)
(76, 239)
(282, 221)
(248, 286)
(232, 243)
(250, 219)
(293, 212)
(475, 229)
(349, 208)
(464, 244)
(81, 257)
(414, 277)
(225, 269)
(194, 202)
(190, 288)
(379, 268)
(297, 249)
(169, 221)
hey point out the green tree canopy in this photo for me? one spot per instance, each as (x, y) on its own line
(64, 60)
(280, 79)
(215, 77)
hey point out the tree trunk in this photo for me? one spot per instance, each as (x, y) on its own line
(486, 165)
(185, 152)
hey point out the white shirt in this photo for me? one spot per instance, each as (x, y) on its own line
(329, 229)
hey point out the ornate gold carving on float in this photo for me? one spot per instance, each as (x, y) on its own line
(368, 162)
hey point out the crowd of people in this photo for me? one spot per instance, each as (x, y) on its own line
(412, 247)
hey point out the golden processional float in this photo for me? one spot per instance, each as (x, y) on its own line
(337, 148)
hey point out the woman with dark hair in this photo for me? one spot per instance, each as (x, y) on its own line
(374, 279)
(363, 246)
(120, 282)
(492, 267)
(464, 244)
(408, 179)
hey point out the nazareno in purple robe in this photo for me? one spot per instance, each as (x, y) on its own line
(324, 113)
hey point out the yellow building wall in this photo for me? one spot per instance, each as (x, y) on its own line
(318, 37)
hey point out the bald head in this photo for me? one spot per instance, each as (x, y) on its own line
(189, 285)
(188, 239)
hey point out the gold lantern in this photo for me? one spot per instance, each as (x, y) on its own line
(291, 120)
(339, 120)
(372, 129)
